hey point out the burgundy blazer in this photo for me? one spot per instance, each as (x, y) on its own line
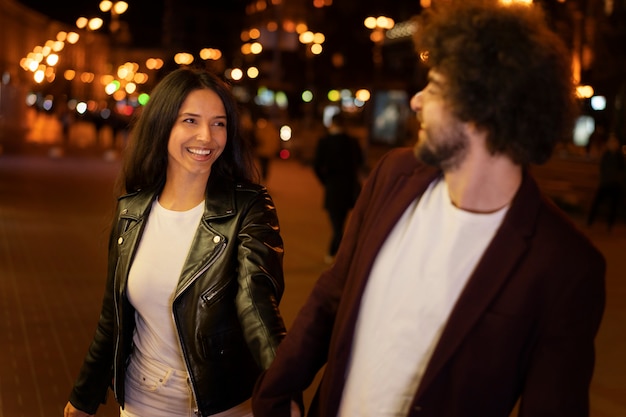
(522, 328)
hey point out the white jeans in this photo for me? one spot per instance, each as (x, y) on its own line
(155, 390)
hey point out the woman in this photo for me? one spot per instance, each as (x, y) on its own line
(190, 315)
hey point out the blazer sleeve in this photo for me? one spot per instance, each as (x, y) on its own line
(304, 350)
(562, 363)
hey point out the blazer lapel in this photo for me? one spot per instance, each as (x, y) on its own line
(493, 270)
(401, 194)
(408, 186)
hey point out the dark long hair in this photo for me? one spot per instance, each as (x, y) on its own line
(145, 160)
(506, 71)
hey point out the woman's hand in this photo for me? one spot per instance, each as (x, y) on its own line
(71, 411)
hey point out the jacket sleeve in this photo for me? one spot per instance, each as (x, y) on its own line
(260, 279)
(96, 373)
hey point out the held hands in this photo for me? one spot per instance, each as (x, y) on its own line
(71, 411)
(295, 410)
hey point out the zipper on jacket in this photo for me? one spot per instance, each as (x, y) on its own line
(117, 339)
(180, 339)
(201, 271)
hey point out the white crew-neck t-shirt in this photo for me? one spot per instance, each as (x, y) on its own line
(415, 281)
(153, 278)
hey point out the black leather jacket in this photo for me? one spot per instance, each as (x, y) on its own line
(225, 307)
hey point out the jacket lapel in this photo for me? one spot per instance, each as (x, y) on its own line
(493, 270)
(132, 215)
(208, 243)
(134, 211)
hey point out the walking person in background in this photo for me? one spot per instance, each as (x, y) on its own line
(459, 288)
(190, 312)
(247, 126)
(611, 186)
(338, 163)
(267, 141)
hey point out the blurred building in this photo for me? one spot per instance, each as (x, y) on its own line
(595, 32)
(53, 67)
(312, 58)
(296, 61)
(191, 26)
(383, 60)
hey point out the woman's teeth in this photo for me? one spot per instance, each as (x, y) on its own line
(200, 151)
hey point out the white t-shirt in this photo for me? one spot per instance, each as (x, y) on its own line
(153, 278)
(415, 281)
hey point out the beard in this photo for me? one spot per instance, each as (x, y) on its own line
(444, 148)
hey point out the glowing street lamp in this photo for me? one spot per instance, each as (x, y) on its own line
(116, 8)
(508, 2)
(378, 25)
(313, 41)
(94, 23)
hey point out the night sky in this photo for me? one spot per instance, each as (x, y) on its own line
(144, 16)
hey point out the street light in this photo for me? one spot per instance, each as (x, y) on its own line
(508, 2)
(313, 41)
(378, 25)
(94, 23)
(116, 8)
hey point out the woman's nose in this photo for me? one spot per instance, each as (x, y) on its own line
(204, 132)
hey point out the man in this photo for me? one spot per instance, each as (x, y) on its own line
(611, 186)
(337, 164)
(458, 289)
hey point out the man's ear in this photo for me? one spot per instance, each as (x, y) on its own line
(472, 128)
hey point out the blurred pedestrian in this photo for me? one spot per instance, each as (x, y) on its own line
(459, 289)
(190, 313)
(267, 139)
(119, 128)
(67, 119)
(247, 126)
(338, 163)
(611, 184)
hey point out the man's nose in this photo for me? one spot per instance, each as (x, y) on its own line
(416, 101)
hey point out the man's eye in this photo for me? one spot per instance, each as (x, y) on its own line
(432, 91)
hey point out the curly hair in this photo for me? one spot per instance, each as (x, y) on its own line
(145, 162)
(507, 72)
